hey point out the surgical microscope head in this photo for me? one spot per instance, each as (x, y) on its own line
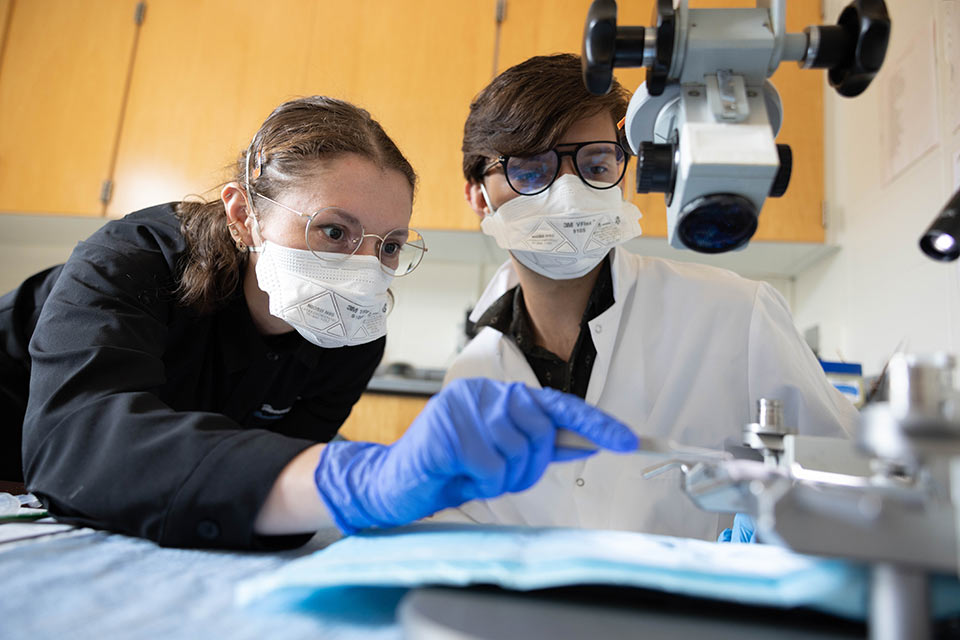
(715, 160)
(704, 124)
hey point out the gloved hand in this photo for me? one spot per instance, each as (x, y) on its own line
(744, 530)
(477, 438)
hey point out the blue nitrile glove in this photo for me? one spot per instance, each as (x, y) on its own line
(477, 438)
(744, 530)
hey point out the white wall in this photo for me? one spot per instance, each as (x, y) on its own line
(426, 326)
(880, 291)
(31, 243)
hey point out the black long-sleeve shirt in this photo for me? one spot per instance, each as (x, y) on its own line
(148, 418)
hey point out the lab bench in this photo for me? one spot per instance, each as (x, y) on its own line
(86, 584)
(413, 387)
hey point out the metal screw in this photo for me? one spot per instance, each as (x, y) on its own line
(693, 92)
(752, 94)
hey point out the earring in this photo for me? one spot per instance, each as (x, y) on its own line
(241, 245)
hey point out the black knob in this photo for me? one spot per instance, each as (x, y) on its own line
(599, 45)
(606, 46)
(656, 168)
(854, 49)
(782, 179)
(665, 16)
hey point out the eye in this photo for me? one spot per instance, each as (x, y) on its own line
(391, 248)
(333, 232)
(528, 177)
(597, 169)
(531, 172)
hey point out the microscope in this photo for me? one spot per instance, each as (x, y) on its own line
(703, 128)
(703, 125)
(889, 498)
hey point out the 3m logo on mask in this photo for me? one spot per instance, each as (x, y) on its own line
(333, 315)
(565, 231)
(584, 235)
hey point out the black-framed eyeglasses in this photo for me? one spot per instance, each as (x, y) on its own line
(600, 164)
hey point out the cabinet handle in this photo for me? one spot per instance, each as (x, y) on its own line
(106, 190)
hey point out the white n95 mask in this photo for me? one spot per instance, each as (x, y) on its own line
(565, 231)
(335, 302)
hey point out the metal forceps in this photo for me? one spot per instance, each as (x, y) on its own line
(677, 455)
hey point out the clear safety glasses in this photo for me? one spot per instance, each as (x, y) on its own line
(331, 231)
(599, 164)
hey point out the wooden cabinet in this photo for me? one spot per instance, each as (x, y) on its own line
(381, 417)
(543, 27)
(63, 73)
(415, 66)
(208, 73)
(165, 111)
(6, 10)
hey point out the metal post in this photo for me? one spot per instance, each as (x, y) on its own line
(899, 603)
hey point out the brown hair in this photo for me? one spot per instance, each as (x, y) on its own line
(528, 107)
(287, 146)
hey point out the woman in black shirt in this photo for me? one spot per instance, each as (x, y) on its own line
(188, 361)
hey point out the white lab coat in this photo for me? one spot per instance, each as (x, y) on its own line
(684, 353)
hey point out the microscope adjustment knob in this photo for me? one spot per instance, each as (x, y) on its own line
(782, 179)
(656, 168)
(868, 23)
(854, 49)
(666, 18)
(599, 46)
(606, 46)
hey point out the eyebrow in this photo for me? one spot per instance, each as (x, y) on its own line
(349, 217)
(343, 213)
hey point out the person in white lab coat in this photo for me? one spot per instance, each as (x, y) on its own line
(675, 350)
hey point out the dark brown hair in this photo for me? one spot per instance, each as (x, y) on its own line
(288, 145)
(529, 107)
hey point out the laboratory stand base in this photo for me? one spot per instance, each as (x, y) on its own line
(603, 612)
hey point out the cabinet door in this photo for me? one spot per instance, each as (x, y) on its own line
(415, 66)
(208, 73)
(381, 418)
(543, 27)
(62, 80)
(6, 10)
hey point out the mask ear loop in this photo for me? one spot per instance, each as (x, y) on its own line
(391, 300)
(486, 198)
(627, 152)
(258, 170)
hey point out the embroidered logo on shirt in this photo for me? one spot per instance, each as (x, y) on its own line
(267, 412)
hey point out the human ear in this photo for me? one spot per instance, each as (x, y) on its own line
(239, 221)
(474, 198)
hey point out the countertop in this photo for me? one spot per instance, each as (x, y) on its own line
(402, 379)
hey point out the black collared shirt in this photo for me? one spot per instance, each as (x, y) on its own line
(147, 418)
(508, 315)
